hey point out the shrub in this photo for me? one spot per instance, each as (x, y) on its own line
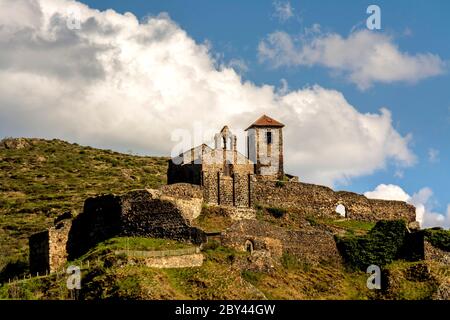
(276, 212)
(279, 184)
(259, 206)
(251, 276)
(438, 238)
(383, 244)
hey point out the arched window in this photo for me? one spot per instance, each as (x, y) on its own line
(340, 209)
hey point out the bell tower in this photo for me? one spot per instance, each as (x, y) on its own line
(265, 147)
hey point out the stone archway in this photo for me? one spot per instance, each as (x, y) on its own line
(249, 246)
(341, 210)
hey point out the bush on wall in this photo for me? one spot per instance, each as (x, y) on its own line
(383, 244)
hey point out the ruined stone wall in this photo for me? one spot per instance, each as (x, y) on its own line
(99, 221)
(58, 237)
(247, 190)
(259, 234)
(48, 248)
(139, 213)
(234, 213)
(321, 201)
(210, 187)
(391, 210)
(241, 190)
(183, 191)
(184, 261)
(311, 199)
(226, 190)
(149, 216)
(187, 197)
(311, 245)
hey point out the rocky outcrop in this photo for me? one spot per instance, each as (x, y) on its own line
(15, 144)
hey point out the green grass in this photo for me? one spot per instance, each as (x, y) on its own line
(50, 177)
(130, 243)
(224, 275)
(251, 276)
(216, 279)
(403, 287)
(351, 226)
(292, 263)
(150, 244)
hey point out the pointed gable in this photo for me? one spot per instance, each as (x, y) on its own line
(266, 121)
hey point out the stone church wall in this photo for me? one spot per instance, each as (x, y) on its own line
(312, 200)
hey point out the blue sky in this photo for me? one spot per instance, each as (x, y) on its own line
(235, 28)
(115, 83)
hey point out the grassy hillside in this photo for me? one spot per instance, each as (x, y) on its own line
(222, 276)
(106, 275)
(40, 179)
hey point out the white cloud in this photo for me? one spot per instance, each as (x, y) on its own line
(364, 57)
(329, 140)
(433, 155)
(422, 200)
(388, 192)
(283, 10)
(126, 85)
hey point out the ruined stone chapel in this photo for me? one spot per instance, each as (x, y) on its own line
(226, 174)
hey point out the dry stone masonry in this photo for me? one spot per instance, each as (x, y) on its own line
(321, 201)
(311, 245)
(142, 213)
(219, 176)
(229, 178)
(48, 248)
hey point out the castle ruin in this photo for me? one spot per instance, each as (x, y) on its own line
(219, 176)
